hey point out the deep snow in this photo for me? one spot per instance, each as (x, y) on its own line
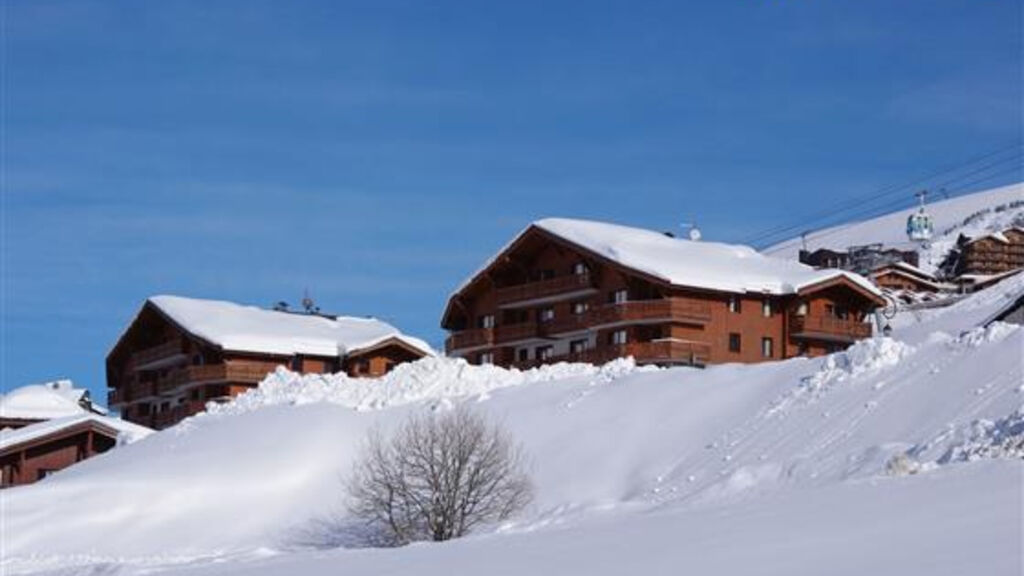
(897, 456)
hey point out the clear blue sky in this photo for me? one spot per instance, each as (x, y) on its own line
(376, 155)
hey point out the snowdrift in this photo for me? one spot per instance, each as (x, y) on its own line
(897, 456)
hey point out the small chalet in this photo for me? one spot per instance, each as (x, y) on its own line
(180, 353)
(576, 290)
(47, 427)
(900, 276)
(859, 259)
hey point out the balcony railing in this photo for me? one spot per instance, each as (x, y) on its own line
(470, 338)
(189, 375)
(828, 328)
(656, 352)
(545, 288)
(148, 356)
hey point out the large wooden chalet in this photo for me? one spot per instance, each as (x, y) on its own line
(180, 353)
(573, 290)
(991, 254)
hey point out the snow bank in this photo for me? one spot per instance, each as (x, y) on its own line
(426, 379)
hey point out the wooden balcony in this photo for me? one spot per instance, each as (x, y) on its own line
(471, 338)
(153, 356)
(658, 352)
(566, 286)
(513, 332)
(828, 328)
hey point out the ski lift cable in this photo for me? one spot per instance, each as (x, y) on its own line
(882, 193)
(834, 217)
(964, 189)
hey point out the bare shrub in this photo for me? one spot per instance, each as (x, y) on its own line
(437, 478)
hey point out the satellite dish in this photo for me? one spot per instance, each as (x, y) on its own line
(694, 232)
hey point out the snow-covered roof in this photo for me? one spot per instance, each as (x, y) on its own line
(905, 267)
(44, 401)
(998, 235)
(126, 431)
(696, 264)
(240, 328)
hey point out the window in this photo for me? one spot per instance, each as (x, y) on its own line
(802, 348)
(486, 321)
(579, 308)
(734, 342)
(197, 359)
(578, 346)
(547, 314)
(766, 347)
(579, 269)
(546, 274)
(619, 337)
(545, 352)
(766, 308)
(801, 309)
(486, 358)
(735, 305)
(619, 297)
(296, 363)
(523, 355)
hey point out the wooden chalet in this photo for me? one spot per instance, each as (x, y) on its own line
(995, 253)
(574, 290)
(900, 276)
(180, 353)
(33, 452)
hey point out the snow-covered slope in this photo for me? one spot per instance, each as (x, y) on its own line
(971, 214)
(898, 456)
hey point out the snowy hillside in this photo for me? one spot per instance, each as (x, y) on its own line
(898, 456)
(971, 214)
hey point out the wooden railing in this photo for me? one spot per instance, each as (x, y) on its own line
(828, 327)
(150, 355)
(678, 309)
(658, 352)
(470, 338)
(544, 288)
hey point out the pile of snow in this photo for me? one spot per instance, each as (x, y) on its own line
(809, 466)
(973, 215)
(250, 329)
(1003, 438)
(426, 379)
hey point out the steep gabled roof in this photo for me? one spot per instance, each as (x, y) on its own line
(248, 329)
(702, 265)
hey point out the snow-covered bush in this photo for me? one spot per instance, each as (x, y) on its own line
(437, 478)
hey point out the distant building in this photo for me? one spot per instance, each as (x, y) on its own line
(48, 427)
(902, 276)
(180, 353)
(991, 254)
(575, 290)
(859, 259)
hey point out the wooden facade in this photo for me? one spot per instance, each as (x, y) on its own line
(897, 277)
(159, 373)
(992, 254)
(545, 300)
(29, 461)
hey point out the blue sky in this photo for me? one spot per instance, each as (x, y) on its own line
(377, 154)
